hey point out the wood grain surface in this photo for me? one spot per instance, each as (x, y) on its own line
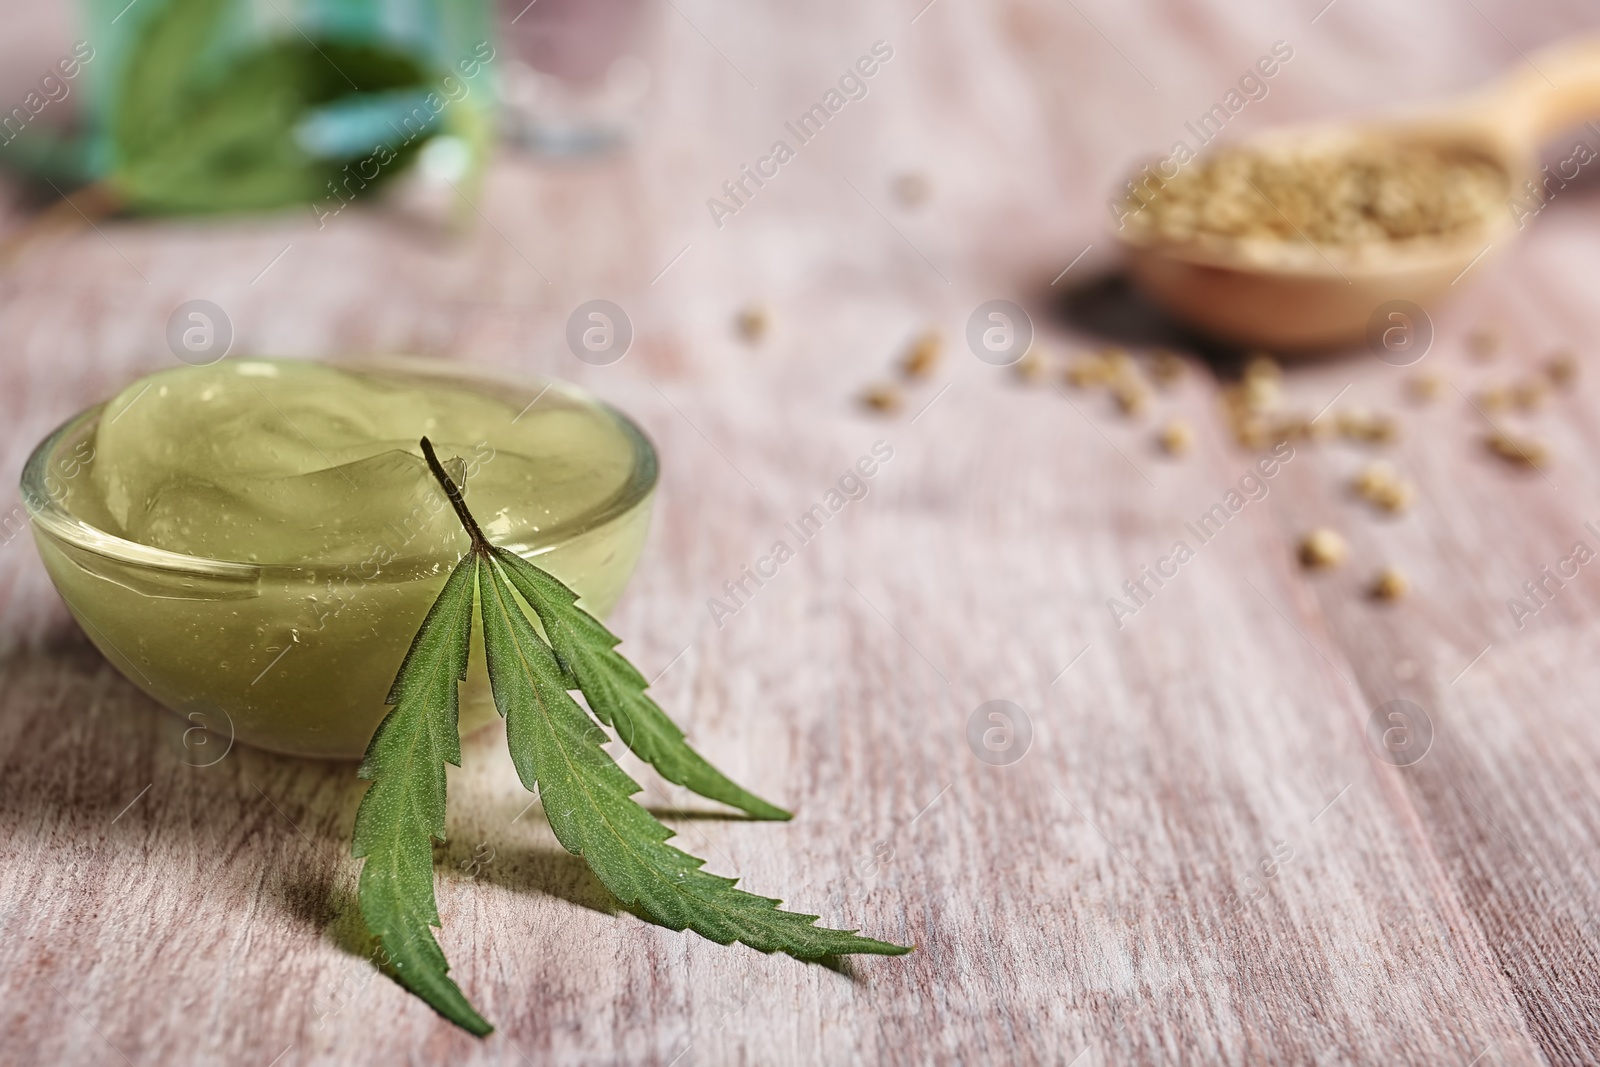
(1201, 856)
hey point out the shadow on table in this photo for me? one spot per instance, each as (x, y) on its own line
(671, 815)
(89, 764)
(1109, 308)
(331, 905)
(550, 871)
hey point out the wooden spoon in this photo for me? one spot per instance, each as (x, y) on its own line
(1296, 295)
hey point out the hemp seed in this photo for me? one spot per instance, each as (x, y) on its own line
(1176, 437)
(1390, 584)
(884, 399)
(1562, 369)
(1252, 432)
(1381, 485)
(1131, 396)
(1369, 427)
(1483, 343)
(1494, 397)
(1166, 367)
(1261, 393)
(1031, 367)
(1379, 189)
(1518, 451)
(752, 323)
(1394, 497)
(1530, 394)
(1322, 548)
(911, 189)
(922, 357)
(1087, 372)
(1263, 366)
(1120, 361)
(1424, 388)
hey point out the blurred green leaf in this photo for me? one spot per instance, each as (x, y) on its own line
(192, 134)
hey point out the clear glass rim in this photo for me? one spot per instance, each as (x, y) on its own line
(53, 518)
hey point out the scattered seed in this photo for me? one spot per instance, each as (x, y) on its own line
(1292, 428)
(1255, 410)
(1562, 369)
(1176, 437)
(1087, 372)
(923, 355)
(1394, 497)
(1252, 432)
(1521, 451)
(1493, 397)
(1369, 427)
(1262, 394)
(1378, 472)
(1483, 343)
(1258, 391)
(1297, 427)
(1381, 485)
(1322, 548)
(1131, 396)
(1317, 429)
(1390, 584)
(1251, 397)
(752, 323)
(911, 189)
(1128, 387)
(1256, 431)
(1425, 387)
(1031, 367)
(1262, 366)
(884, 399)
(1530, 394)
(1118, 357)
(1166, 367)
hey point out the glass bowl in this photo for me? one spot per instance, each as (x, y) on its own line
(298, 658)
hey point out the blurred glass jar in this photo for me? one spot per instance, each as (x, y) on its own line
(577, 73)
(236, 105)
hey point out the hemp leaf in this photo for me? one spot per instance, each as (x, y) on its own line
(615, 691)
(557, 748)
(403, 812)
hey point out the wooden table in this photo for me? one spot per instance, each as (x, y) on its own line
(1201, 856)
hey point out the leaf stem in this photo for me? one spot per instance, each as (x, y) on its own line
(480, 543)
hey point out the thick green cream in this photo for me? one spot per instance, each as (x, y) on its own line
(311, 538)
(283, 462)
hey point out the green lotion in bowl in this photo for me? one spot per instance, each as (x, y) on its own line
(258, 540)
